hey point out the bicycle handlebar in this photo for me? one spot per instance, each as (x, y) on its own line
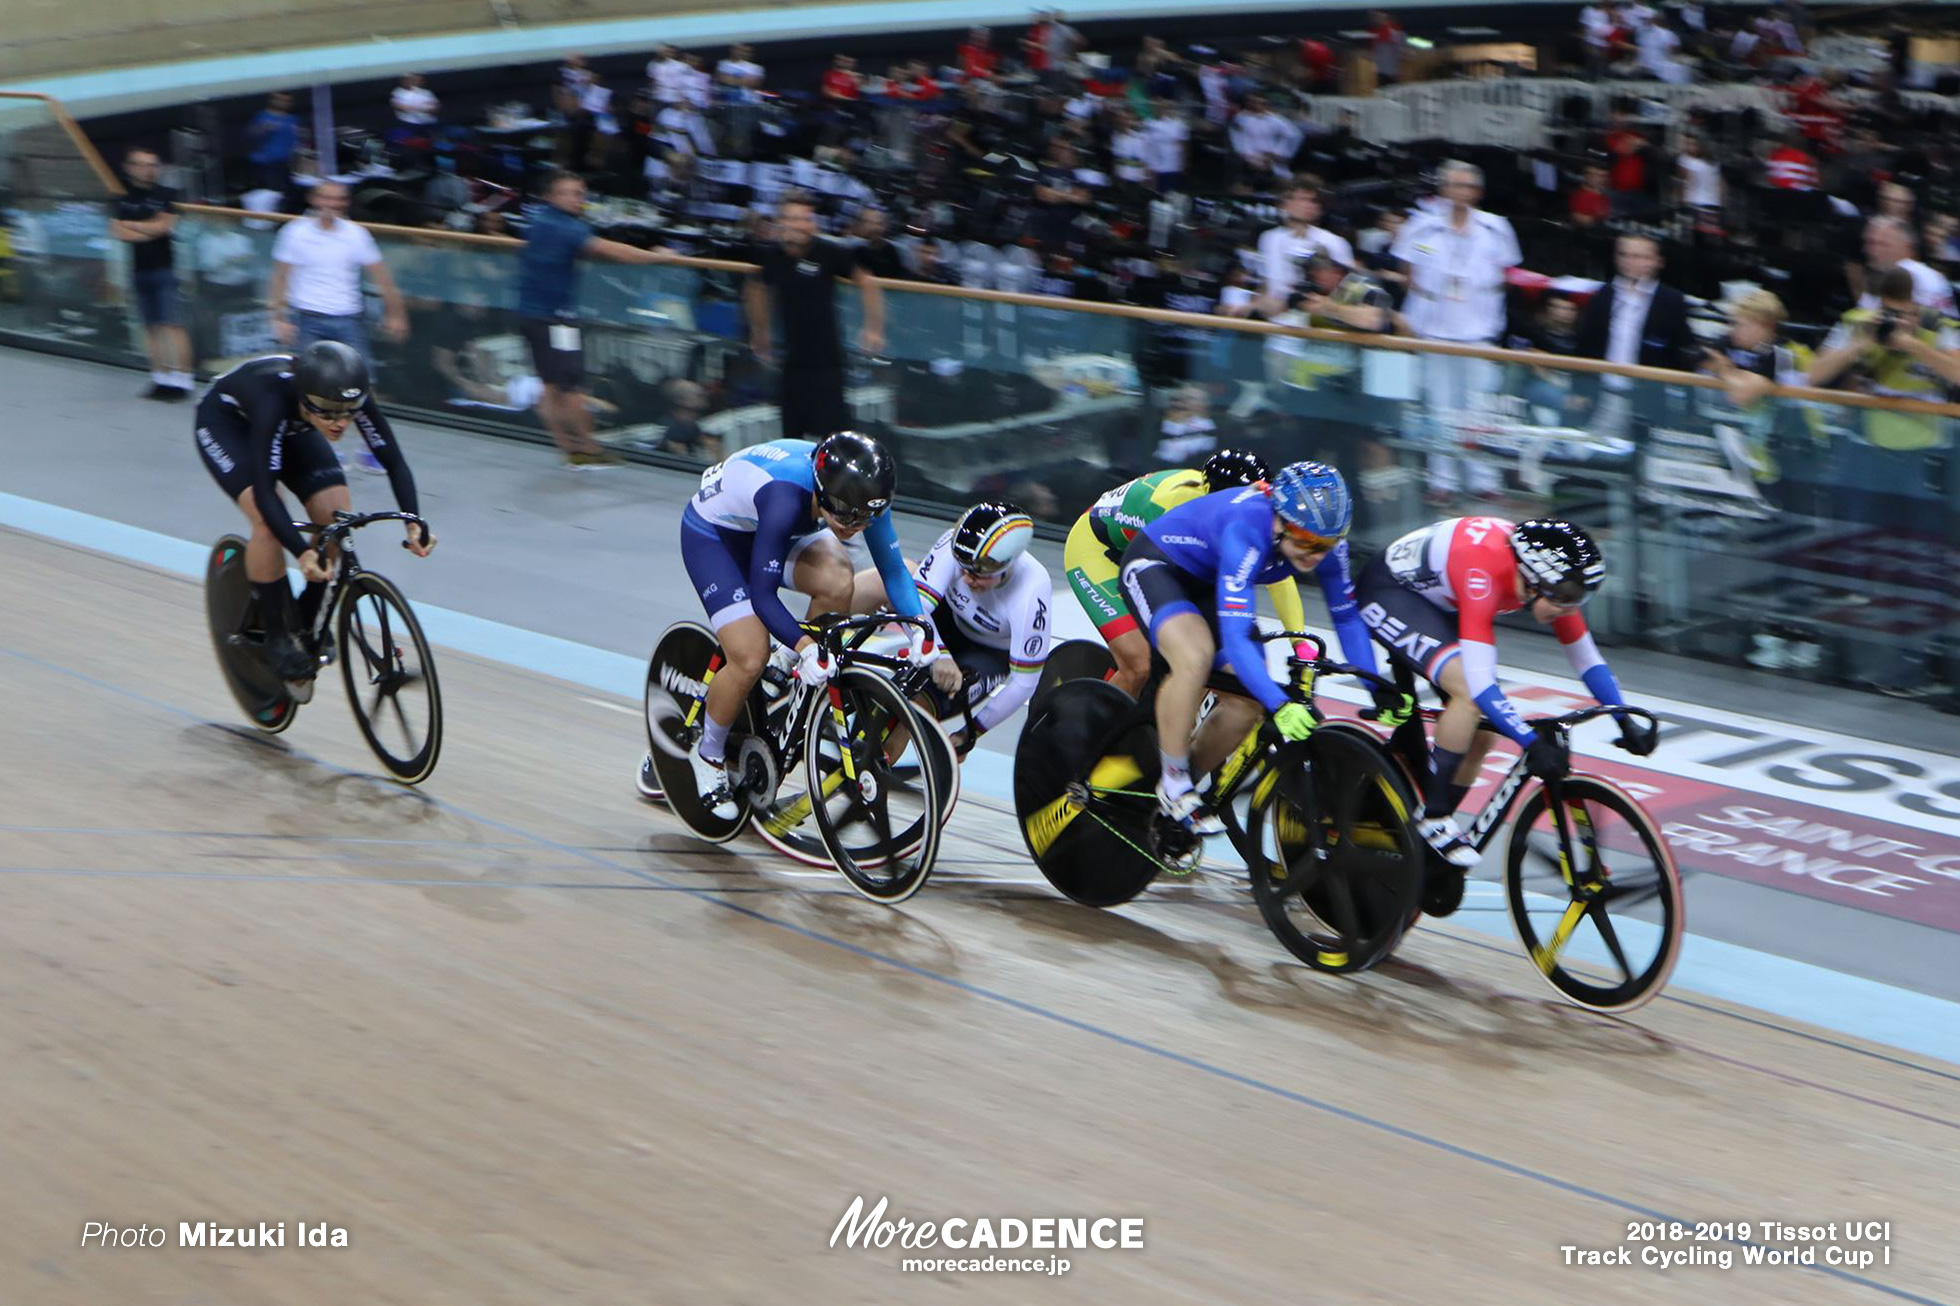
(830, 633)
(346, 523)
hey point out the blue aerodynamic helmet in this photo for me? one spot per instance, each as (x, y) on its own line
(1312, 500)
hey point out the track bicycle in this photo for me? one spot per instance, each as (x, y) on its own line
(1327, 835)
(881, 769)
(1589, 880)
(786, 824)
(385, 663)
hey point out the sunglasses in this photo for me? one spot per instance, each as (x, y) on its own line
(328, 412)
(851, 518)
(1565, 594)
(1307, 539)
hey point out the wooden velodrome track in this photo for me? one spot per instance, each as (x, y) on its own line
(528, 1043)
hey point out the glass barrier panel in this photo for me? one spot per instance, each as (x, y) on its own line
(1810, 538)
(64, 280)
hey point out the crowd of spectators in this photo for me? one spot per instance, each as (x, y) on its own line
(1203, 178)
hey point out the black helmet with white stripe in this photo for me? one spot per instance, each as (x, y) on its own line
(1558, 561)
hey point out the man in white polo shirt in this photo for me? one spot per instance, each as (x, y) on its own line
(1457, 256)
(315, 289)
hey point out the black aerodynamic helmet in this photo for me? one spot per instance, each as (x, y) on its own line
(334, 375)
(1230, 468)
(1558, 560)
(855, 476)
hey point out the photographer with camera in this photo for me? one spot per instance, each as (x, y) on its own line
(1899, 348)
(1894, 478)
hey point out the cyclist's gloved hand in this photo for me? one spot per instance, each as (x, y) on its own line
(1392, 706)
(1637, 737)
(918, 648)
(813, 668)
(1547, 757)
(1294, 720)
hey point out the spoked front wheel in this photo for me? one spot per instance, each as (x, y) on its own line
(390, 677)
(786, 824)
(1597, 905)
(879, 813)
(1337, 869)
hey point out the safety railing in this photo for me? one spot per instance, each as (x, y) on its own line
(1799, 530)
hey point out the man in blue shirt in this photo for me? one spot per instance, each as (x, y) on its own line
(547, 310)
(274, 135)
(1189, 577)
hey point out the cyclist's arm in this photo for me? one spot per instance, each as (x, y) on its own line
(265, 424)
(380, 439)
(1027, 653)
(778, 512)
(1241, 553)
(1287, 607)
(881, 537)
(1477, 635)
(1584, 654)
(1337, 583)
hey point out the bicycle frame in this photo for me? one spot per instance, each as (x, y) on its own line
(843, 640)
(1495, 814)
(340, 534)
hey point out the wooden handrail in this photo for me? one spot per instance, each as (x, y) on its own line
(1171, 317)
(83, 145)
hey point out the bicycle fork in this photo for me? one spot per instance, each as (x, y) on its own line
(1546, 955)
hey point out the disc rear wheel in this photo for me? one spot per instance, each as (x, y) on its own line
(239, 641)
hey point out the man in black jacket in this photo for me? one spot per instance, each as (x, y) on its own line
(1634, 319)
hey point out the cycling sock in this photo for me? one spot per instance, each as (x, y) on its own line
(714, 739)
(274, 599)
(1176, 773)
(309, 602)
(1442, 794)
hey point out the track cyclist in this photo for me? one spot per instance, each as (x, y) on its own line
(987, 598)
(1432, 598)
(771, 516)
(1094, 553)
(1188, 576)
(267, 423)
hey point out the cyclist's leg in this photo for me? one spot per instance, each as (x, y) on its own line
(819, 566)
(1232, 716)
(867, 591)
(1093, 575)
(312, 471)
(1185, 640)
(717, 562)
(1456, 737)
(1422, 638)
(224, 444)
